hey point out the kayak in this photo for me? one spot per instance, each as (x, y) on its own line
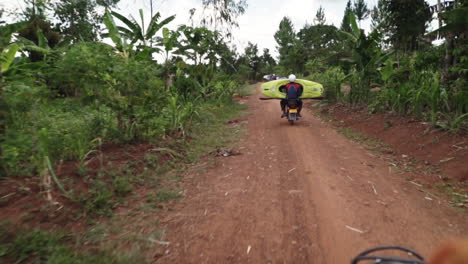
(311, 89)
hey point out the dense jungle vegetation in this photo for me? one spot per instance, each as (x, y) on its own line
(65, 92)
(396, 66)
(77, 76)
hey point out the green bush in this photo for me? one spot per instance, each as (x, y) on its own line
(331, 79)
(85, 71)
(37, 246)
(60, 129)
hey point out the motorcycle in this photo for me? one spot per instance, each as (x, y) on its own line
(292, 108)
(292, 111)
(370, 256)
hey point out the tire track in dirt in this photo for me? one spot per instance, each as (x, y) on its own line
(292, 197)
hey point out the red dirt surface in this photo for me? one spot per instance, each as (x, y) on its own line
(24, 203)
(301, 194)
(410, 137)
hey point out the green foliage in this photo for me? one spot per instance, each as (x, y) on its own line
(268, 63)
(120, 41)
(391, 68)
(223, 13)
(360, 10)
(83, 70)
(365, 56)
(8, 56)
(331, 79)
(78, 19)
(37, 246)
(122, 185)
(253, 60)
(321, 42)
(6, 33)
(79, 94)
(345, 21)
(35, 9)
(100, 198)
(406, 21)
(66, 130)
(136, 32)
(320, 17)
(286, 39)
(165, 195)
(378, 22)
(39, 32)
(200, 44)
(88, 93)
(455, 20)
(178, 115)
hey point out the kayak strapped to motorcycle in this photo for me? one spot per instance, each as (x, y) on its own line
(310, 89)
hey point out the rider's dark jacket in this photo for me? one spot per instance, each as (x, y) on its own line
(292, 90)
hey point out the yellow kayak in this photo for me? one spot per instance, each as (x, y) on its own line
(311, 89)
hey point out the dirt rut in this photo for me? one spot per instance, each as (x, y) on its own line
(301, 194)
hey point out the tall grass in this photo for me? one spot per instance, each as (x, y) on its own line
(415, 93)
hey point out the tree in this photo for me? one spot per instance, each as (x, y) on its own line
(7, 56)
(285, 37)
(345, 21)
(360, 10)
(366, 56)
(268, 63)
(453, 22)
(222, 13)
(120, 41)
(228, 59)
(407, 21)
(35, 9)
(377, 14)
(1, 15)
(80, 19)
(320, 17)
(252, 59)
(321, 42)
(139, 33)
(35, 15)
(199, 44)
(378, 21)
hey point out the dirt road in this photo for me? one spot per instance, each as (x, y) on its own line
(300, 194)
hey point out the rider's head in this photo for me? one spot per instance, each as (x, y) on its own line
(292, 78)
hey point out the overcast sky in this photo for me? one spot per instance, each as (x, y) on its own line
(258, 24)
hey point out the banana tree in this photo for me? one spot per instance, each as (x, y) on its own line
(366, 56)
(199, 44)
(140, 33)
(120, 41)
(168, 41)
(452, 27)
(42, 47)
(7, 56)
(8, 50)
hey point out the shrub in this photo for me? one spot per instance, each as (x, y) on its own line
(331, 79)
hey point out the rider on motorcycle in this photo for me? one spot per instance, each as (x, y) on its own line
(292, 90)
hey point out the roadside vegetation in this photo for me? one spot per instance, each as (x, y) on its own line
(86, 125)
(395, 67)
